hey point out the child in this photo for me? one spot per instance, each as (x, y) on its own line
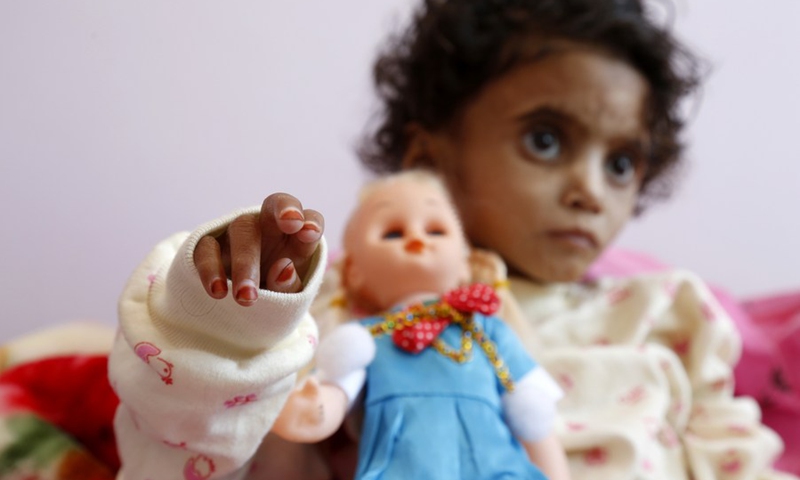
(449, 383)
(553, 123)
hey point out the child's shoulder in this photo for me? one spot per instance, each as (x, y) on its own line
(664, 284)
(669, 297)
(673, 292)
(669, 282)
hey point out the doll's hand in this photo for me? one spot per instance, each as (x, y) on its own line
(313, 412)
(487, 267)
(269, 250)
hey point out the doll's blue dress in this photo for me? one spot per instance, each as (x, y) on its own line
(427, 417)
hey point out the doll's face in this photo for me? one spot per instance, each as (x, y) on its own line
(403, 240)
(545, 163)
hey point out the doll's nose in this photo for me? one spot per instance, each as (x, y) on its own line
(414, 245)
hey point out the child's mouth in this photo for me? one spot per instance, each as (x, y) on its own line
(575, 238)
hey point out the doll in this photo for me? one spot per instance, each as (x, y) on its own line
(450, 392)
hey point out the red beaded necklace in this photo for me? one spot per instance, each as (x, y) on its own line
(416, 327)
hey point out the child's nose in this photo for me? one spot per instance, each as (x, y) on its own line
(415, 245)
(586, 184)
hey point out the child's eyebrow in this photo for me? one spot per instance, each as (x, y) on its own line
(555, 114)
(561, 114)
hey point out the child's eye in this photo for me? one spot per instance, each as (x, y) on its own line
(393, 233)
(544, 143)
(621, 168)
(436, 231)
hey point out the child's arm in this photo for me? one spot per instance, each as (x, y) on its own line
(201, 379)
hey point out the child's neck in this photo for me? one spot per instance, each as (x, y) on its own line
(514, 273)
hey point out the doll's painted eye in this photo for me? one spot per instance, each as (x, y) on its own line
(621, 168)
(543, 142)
(393, 234)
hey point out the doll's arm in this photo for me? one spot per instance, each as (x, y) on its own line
(530, 410)
(548, 454)
(315, 410)
(201, 379)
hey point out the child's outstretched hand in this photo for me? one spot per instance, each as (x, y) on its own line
(270, 250)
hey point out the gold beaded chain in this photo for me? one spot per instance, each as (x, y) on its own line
(472, 332)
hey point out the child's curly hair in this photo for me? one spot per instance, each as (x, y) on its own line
(452, 48)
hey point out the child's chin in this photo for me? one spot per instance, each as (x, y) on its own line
(557, 270)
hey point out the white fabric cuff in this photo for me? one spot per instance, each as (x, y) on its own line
(530, 409)
(342, 358)
(351, 384)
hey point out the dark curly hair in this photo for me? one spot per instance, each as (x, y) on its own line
(452, 48)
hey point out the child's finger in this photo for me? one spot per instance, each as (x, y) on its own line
(282, 277)
(208, 261)
(312, 229)
(305, 242)
(244, 238)
(281, 214)
(288, 232)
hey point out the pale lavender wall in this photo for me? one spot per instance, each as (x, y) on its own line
(121, 122)
(736, 219)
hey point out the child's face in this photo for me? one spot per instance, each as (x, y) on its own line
(403, 240)
(545, 163)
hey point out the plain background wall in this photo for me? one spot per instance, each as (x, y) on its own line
(122, 122)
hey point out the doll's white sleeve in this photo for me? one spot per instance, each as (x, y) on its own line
(530, 409)
(201, 380)
(343, 357)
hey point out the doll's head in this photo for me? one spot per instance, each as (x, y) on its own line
(403, 242)
(552, 121)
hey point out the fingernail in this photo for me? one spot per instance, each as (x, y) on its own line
(291, 214)
(247, 293)
(311, 227)
(287, 274)
(218, 287)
